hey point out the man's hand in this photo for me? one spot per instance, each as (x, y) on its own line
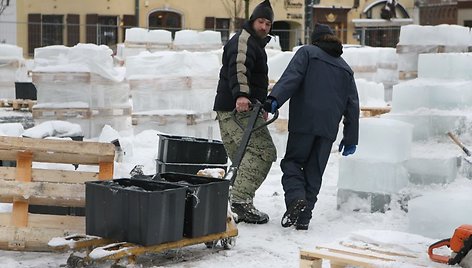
(348, 149)
(270, 105)
(242, 104)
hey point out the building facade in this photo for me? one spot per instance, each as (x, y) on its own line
(66, 22)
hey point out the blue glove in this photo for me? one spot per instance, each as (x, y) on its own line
(270, 105)
(348, 149)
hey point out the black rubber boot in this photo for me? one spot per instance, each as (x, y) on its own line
(246, 212)
(290, 216)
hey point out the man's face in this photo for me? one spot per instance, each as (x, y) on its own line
(262, 27)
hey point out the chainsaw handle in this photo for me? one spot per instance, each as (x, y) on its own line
(439, 258)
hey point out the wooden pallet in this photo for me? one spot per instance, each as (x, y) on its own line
(341, 256)
(18, 104)
(374, 111)
(100, 249)
(406, 75)
(163, 118)
(23, 186)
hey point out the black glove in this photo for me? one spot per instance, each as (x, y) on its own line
(270, 105)
(348, 149)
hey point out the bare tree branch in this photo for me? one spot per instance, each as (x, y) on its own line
(3, 5)
(233, 9)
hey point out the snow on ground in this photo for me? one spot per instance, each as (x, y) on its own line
(268, 245)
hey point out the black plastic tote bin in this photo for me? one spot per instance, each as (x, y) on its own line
(181, 149)
(206, 203)
(145, 212)
(25, 90)
(162, 167)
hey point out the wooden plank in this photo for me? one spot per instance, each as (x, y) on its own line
(356, 252)
(78, 241)
(102, 151)
(51, 175)
(121, 250)
(105, 171)
(310, 262)
(340, 258)
(60, 157)
(43, 193)
(377, 249)
(30, 239)
(24, 163)
(44, 221)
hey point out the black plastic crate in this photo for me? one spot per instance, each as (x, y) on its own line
(162, 167)
(25, 90)
(181, 149)
(206, 203)
(145, 212)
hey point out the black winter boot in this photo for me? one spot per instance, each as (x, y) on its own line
(293, 211)
(246, 212)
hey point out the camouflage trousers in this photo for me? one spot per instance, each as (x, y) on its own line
(256, 163)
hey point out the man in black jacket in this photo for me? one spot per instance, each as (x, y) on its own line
(244, 80)
(322, 90)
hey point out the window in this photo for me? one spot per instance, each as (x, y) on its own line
(166, 20)
(52, 27)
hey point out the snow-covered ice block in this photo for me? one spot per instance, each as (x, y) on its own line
(186, 37)
(432, 169)
(445, 66)
(136, 35)
(278, 63)
(371, 175)
(384, 140)
(431, 123)
(160, 37)
(437, 215)
(371, 94)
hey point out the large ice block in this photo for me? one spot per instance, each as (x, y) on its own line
(371, 175)
(432, 93)
(384, 140)
(371, 94)
(445, 66)
(425, 170)
(432, 123)
(437, 215)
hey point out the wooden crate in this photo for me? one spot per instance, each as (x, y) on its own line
(23, 186)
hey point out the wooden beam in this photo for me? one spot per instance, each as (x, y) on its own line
(128, 249)
(30, 239)
(60, 157)
(105, 170)
(24, 163)
(42, 193)
(44, 221)
(51, 175)
(44, 149)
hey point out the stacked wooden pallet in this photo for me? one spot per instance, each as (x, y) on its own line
(24, 185)
(18, 104)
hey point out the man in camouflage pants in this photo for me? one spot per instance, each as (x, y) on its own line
(244, 80)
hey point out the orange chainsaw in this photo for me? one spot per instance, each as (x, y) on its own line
(460, 243)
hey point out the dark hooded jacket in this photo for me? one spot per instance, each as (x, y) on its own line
(322, 89)
(244, 71)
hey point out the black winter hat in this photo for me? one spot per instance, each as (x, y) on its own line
(263, 10)
(319, 31)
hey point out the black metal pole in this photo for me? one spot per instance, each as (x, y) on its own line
(136, 12)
